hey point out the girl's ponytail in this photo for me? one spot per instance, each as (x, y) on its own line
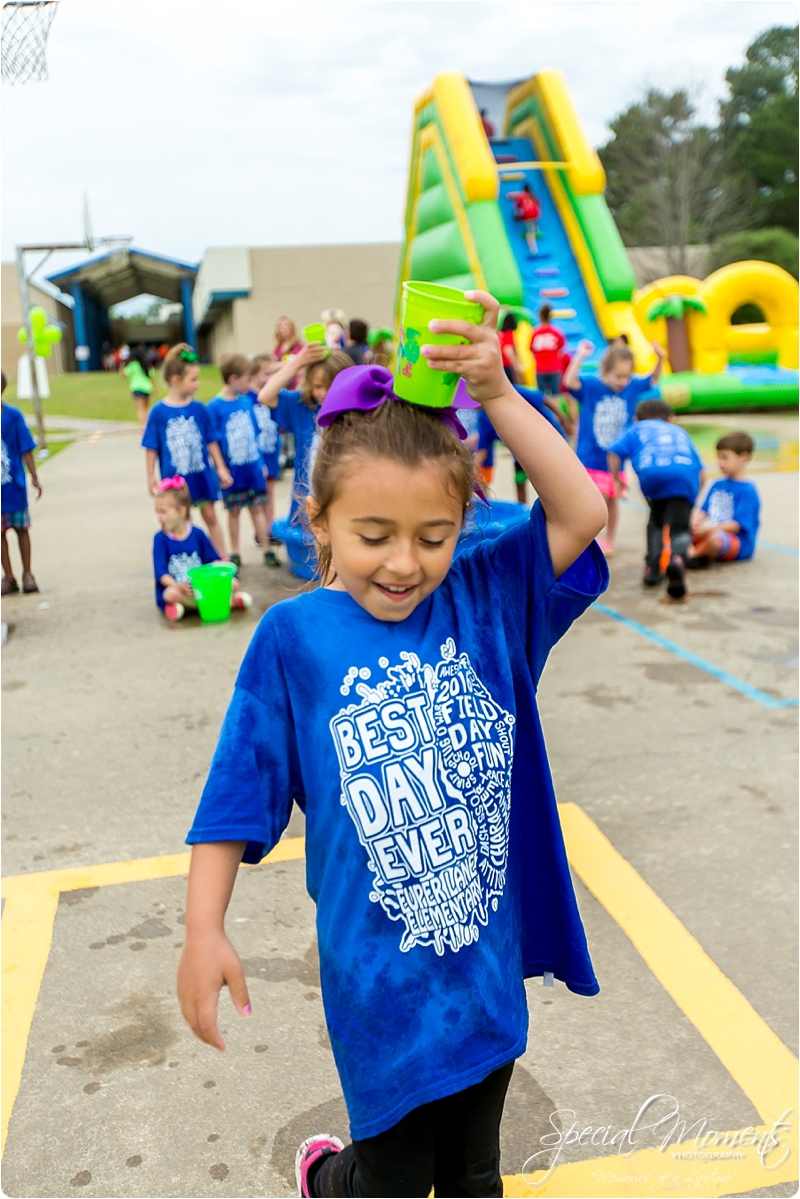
(178, 360)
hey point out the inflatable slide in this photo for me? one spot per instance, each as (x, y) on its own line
(461, 231)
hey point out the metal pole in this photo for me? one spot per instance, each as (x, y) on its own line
(24, 295)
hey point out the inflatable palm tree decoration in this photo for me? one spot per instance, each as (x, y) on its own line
(673, 309)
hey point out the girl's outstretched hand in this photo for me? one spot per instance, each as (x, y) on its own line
(208, 964)
(480, 361)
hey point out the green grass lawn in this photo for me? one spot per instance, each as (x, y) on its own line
(103, 395)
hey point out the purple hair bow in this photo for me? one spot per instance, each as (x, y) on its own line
(361, 388)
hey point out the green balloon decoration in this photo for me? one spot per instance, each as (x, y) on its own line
(44, 336)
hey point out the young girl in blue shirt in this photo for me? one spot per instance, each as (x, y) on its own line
(177, 547)
(181, 436)
(396, 705)
(297, 411)
(608, 405)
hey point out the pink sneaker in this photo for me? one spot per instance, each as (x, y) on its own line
(241, 600)
(174, 612)
(310, 1152)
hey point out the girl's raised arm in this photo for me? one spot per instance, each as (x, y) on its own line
(574, 509)
(286, 372)
(572, 375)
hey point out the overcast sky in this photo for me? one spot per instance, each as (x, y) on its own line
(193, 123)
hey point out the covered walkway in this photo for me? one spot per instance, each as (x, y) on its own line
(98, 283)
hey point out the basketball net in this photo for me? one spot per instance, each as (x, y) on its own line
(26, 24)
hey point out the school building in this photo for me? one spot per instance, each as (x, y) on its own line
(230, 300)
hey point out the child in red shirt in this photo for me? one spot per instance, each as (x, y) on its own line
(508, 349)
(528, 209)
(547, 347)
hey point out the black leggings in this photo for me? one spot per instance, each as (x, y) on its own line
(674, 512)
(451, 1145)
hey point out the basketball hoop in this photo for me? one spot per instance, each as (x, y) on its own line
(26, 24)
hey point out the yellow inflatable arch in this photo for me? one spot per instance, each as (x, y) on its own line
(772, 289)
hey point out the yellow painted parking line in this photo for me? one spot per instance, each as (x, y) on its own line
(749, 1050)
(756, 1058)
(28, 919)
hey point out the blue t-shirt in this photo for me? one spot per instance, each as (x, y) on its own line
(736, 499)
(17, 440)
(434, 850)
(237, 433)
(486, 432)
(605, 415)
(295, 415)
(269, 437)
(663, 457)
(180, 436)
(173, 557)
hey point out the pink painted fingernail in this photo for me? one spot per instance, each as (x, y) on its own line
(247, 1010)
(433, 326)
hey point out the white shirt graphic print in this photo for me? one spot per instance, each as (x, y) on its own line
(185, 445)
(241, 438)
(268, 430)
(609, 420)
(6, 464)
(180, 564)
(720, 506)
(425, 762)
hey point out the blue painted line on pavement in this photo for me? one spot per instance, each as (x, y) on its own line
(778, 549)
(761, 697)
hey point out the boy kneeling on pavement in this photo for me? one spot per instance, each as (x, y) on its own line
(670, 474)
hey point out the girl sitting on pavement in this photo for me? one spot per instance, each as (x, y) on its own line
(180, 435)
(177, 547)
(396, 703)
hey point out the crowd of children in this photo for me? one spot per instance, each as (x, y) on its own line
(230, 448)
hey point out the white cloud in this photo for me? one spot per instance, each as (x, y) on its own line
(193, 123)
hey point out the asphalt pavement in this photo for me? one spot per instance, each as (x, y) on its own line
(669, 726)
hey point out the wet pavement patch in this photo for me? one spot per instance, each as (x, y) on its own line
(278, 969)
(142, 1041)
(219, 1171)
(81, 1179)
(72, 897)
(332, 1116)
(134, 1161)
(148, 929)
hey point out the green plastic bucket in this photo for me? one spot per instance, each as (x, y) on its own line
(414, 380)
(213, 588)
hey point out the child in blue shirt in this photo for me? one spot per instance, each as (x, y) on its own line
(607, 406)
(17, 453)
(670, 474)
(238, 432)
(724, 529)
(269, 442)
(180, 435)
(484, 456)
(396, 703)
(297, 411)
(177, 547)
